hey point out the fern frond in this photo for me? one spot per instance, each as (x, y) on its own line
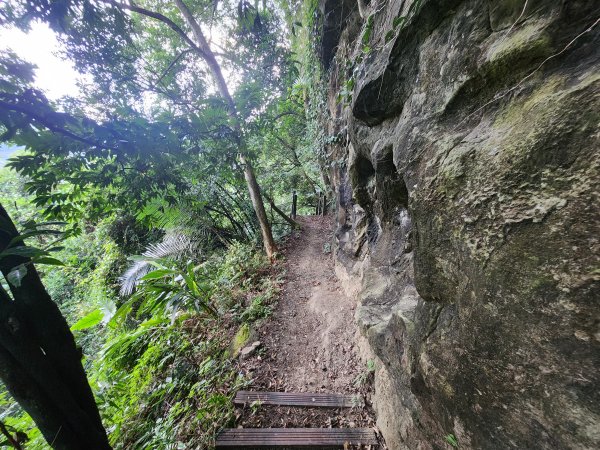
(132, 275)
(173, 246)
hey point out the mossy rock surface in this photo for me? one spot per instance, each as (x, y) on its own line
(473, 238)
(241, 338)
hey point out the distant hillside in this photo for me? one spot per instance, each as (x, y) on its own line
(5, 152)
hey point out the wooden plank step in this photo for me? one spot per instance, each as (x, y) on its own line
(295, 438)
(298, 399)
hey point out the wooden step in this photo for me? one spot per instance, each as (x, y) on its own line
(295, 438)
(298, 399)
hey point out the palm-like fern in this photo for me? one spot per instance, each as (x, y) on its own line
(173, 246)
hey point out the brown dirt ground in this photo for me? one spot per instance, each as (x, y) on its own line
(309, 343)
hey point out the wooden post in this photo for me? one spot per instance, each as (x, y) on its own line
(294, 204)
(321, 202)
(317, 211)
(324, 209)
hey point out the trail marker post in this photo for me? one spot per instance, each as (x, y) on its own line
(294, 204)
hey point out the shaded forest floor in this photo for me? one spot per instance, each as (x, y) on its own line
(309, 343)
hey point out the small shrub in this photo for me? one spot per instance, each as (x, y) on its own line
(366, 375)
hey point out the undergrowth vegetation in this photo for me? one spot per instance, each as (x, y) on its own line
(160, 358)
(167, 382)
(155, 311)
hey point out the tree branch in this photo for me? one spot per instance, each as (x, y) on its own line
(45, 122)
(175, 61)
(287, 113)
(9, 437)
(296, 161)
(289, 220)
(161, 18)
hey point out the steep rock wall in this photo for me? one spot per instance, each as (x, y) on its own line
(466, 170)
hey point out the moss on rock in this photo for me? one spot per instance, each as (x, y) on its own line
(240, 339)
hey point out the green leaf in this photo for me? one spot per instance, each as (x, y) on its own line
(389, 36)
(26, 252)
(366, 36)
(368, 30)
(17, 274)
(47, 260)
(160, 273)
(89, 320)
(451, 439)
(29, 234)
(121, 313)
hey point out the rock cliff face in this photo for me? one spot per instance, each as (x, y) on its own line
(467, 179)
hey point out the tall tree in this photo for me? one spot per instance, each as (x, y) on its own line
(253, 188)
(39, 362)
(115, 73)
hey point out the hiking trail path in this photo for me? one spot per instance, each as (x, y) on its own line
(308, 345)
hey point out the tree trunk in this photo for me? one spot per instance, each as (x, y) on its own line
(288, 219)
(259, 207)
(215, 69)
(296, 161)
(40, 364)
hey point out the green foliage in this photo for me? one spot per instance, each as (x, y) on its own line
(75, 166)
(242, 265)
(451, 439)
(163, 381)
(88, 321)
(14, 198)
(169, 381)
(366, 376)
(259, 308)
(35, 255)
(366, 34)
(169, 289)
(148, 152)
(20, 426)
(172, 249)
(167, 386)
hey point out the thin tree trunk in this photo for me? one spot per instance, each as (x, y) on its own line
(288, 219)
(40, 364)
(215, 69)
(296, 161)
(259, 207)
(246, 218)
(202, 48)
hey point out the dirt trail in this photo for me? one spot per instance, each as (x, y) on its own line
(309, 342)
